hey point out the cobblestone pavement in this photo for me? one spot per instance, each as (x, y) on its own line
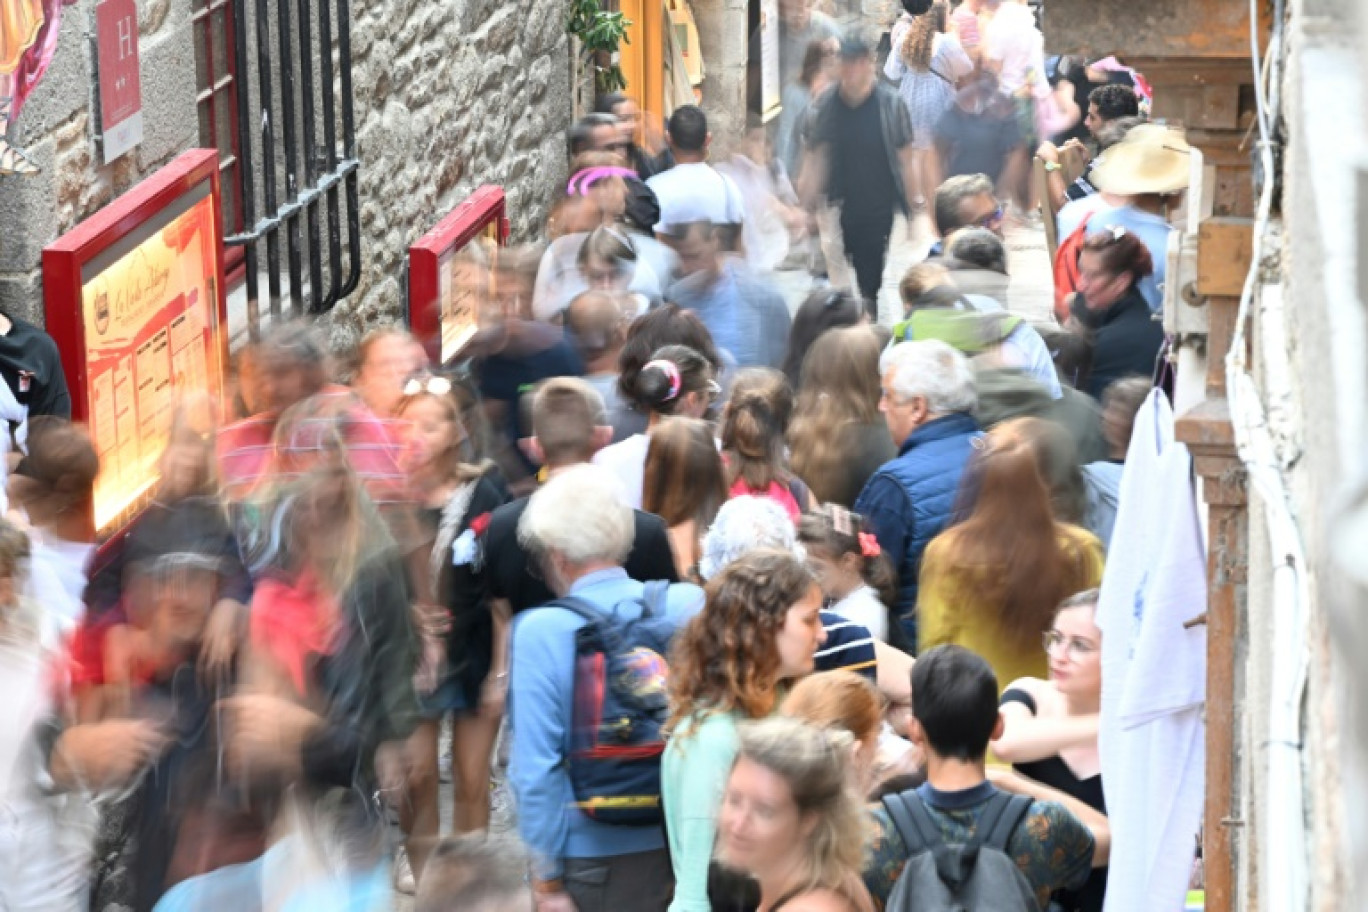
(1031, 286)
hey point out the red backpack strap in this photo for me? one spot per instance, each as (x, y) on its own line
(1066, 269)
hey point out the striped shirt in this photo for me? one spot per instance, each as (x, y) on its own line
(848, 646)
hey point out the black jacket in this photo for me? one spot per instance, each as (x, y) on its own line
(1126, 339)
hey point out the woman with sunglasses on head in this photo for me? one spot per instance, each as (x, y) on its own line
(464, 668)
(1111, 309)
(1050, 726)
(676, 381)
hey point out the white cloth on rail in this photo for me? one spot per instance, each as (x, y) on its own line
(1152, 737)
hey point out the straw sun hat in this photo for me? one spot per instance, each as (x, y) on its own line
(1153, 158)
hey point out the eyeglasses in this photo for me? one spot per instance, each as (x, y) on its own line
(436, 386)
(993, 218)
(713, 390)
(1075, 649)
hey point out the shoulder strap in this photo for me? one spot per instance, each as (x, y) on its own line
(1008, 811)
(576, 605)
(654, 598)
(918, 831)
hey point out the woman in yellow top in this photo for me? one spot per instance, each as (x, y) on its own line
(992, 582)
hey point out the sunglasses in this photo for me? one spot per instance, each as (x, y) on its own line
(992, 218)
(436, 386)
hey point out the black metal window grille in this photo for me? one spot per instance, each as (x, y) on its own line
(302, 175)
(216, 103)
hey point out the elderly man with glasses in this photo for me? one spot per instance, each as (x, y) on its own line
(928, 397)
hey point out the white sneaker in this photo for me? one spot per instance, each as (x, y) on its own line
(403, 873)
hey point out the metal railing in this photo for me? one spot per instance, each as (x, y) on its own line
(287, 137)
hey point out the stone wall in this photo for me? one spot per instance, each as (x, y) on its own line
(448, 96)
(58, 125)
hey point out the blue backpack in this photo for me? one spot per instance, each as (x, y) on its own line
(620, 708)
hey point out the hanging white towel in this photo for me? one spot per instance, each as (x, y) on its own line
(1152, 737)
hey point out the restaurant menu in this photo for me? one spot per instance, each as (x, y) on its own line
(464, 278)
(151, 337)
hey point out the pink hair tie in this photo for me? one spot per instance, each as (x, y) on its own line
(582, 180)
(869, 545)
(671, 372)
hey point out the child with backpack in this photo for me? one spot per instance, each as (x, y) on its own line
(753, 427)
(961, 841)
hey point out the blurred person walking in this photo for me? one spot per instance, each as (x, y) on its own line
(926, 62)
(760, 626)
(746, 316)
(598, 325)
(464, 667)
(792, 779)
(860, 158)
(837, 439)
(693, 190)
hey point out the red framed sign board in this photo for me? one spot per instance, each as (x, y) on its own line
(450, 269)
(134, 297)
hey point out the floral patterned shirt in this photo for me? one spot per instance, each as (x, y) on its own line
(1052, 848)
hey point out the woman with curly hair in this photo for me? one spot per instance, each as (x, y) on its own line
(927, 62)
(793, 819)
(759, 627)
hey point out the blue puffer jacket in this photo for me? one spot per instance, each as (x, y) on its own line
(909, 500)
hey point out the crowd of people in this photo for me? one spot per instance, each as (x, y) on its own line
(696, 602)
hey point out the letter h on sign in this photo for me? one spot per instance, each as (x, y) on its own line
(116, 29)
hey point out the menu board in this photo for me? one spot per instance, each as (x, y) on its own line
(134, 301)
(451, 269)
(464, 277)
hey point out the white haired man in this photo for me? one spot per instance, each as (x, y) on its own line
(580, 532)
(928, 397)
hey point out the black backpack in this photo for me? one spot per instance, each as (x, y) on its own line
(975, 876)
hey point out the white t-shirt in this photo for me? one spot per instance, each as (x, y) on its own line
(1013, 39)
(864, 608)
(696, 192)
(627, 461)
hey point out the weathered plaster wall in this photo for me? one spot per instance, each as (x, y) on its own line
(1317, 413)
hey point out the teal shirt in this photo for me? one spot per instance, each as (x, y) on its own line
(694, 774)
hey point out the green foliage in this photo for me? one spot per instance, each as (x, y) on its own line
(600, 32)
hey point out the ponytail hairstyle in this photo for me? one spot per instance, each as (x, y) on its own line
(753, 428)
(833, 531)
(921, 37)
(672, 373)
